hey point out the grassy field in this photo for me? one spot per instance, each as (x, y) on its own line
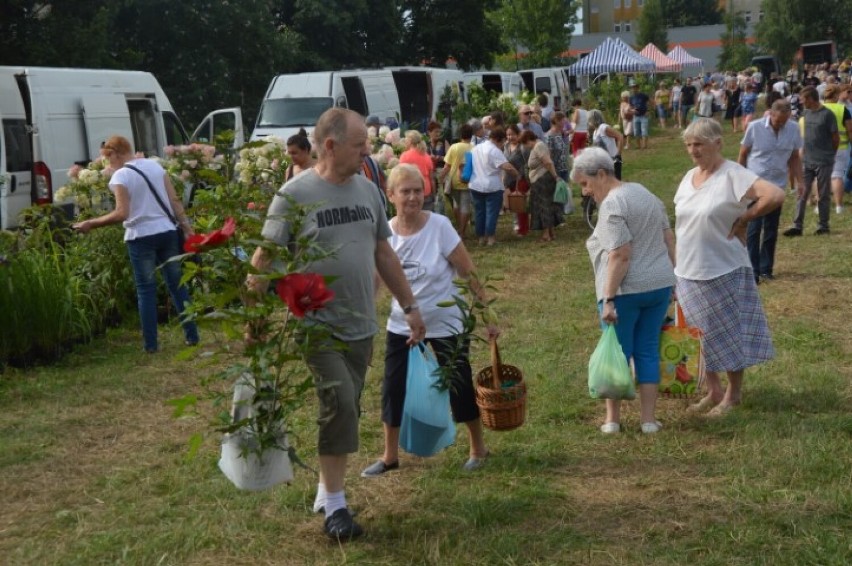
(94, 469)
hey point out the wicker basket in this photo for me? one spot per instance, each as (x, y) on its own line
(501, 408)
(518, 203)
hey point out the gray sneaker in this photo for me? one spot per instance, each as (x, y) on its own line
(474, 464)
(378, 468)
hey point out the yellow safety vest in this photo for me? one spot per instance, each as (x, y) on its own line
(838, 110)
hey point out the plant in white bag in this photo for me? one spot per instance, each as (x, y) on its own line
(261, 346)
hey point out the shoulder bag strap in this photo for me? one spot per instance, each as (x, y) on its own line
(154, 192)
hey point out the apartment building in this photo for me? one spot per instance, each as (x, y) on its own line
(618, 16)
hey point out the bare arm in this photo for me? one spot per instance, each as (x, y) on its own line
(390, 270)
(177, 206)
(460, 259)
(766, 196)
(797, 174)
(668, 236)
(619, 139)
(118, 214)
(510, 168)
(617, 266)
(742, 158)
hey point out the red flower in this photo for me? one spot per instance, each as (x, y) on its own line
(303, 292)
(199, 242)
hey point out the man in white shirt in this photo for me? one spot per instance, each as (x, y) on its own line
(770, 148)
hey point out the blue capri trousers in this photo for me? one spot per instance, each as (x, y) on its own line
(640, 319)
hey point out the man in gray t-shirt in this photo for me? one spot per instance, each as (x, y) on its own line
(346, 217)
(821, 139)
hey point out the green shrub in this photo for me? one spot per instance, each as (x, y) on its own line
(44, 308)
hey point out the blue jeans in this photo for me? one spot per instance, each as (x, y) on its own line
(640, 127)
(640, 319)
(486, 210)
(761, 238)
(146, 254)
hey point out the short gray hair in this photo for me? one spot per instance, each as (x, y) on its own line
(591, 160)
(595, 118)
(703, 129)
(783, 106)
(476, 124)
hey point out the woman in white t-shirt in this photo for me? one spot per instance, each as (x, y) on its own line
(150, 232)
(607, 138)
(580, 122)
(715, 283)
(486, 187)
(632, 252)
(432, 256)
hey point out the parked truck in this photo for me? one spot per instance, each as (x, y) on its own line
(817, 52)
(53, 118)
(409, 95)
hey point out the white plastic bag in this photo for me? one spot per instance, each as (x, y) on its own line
(239, 460)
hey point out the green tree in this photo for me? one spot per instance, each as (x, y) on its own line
(652, 26)
(691, 12)
(226, 57)
(438, 30)
(735, 54)
(541, 28)
(786, 25)
(341, 34)
(65, 33)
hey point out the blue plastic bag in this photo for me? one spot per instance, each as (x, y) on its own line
(609, 374)
(427, 426)
(467, 172)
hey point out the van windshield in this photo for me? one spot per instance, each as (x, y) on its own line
(291, 112)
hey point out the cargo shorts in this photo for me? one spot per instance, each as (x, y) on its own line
(339, 374)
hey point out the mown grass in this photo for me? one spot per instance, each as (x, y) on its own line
(94, 469)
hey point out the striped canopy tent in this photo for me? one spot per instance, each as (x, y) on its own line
(680, 55)
(663, 62)
(612, 56)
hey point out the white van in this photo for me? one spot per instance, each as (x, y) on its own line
(552, 80)
(496, 81)
(409, 95)
(53, 118)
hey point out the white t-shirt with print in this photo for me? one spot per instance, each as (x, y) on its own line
(424, 257)
(703, 219)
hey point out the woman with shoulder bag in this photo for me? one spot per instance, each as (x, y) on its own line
(142, 188)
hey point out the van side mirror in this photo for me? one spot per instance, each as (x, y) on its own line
(340, 102)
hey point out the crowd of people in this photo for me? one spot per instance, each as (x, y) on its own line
(721, 246)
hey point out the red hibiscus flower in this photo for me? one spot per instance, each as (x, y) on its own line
(199, 242)
(303, 292)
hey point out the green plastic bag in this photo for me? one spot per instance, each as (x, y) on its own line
(609, 374)
(561, 194)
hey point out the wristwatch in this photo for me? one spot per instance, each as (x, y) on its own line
(609, 300)
(411, 307)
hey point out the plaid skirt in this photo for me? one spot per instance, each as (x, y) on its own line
(728, 311)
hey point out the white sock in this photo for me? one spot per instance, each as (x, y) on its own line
(319, 502)
(333, 502)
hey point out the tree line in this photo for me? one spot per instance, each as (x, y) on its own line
(208, 54)
(215, 53)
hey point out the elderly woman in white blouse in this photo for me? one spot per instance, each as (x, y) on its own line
(715, 282)
(632, 252)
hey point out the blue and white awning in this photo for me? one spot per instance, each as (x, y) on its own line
(612, 56)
